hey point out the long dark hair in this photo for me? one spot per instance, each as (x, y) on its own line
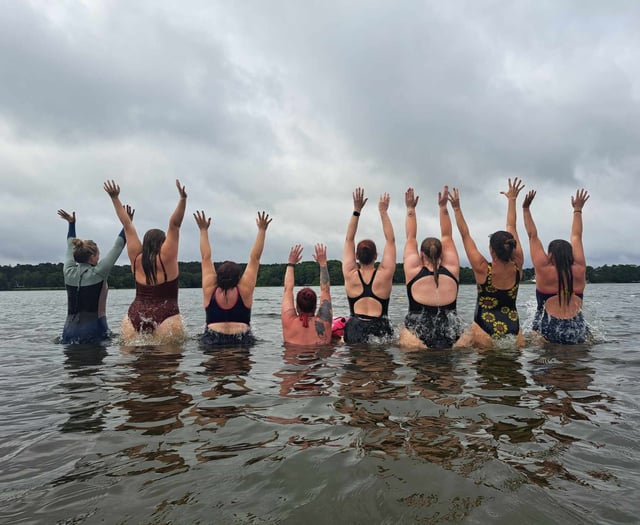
(432, 250)
(562, 254)
(151, 244)
(503, 244)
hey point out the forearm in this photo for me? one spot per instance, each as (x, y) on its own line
(446, 229)
(387, 227)
(258, 246)
(178, 214)
(576, 226)
(71, 232)
(324, 278)
(121, 213)
(529, 225)
(205, 247)
(411, 224)
(289, 279)
(463, 229)
(352, 228)
(511, 215)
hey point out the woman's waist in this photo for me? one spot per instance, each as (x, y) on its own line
(229, 327)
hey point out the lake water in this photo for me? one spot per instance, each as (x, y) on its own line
(545, 434)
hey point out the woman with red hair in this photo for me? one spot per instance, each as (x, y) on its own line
(301, 324)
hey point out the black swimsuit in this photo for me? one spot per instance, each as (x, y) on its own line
(435, 326)
(560, 331)
(360, 327)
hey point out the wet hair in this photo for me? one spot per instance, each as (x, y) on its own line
(503, 244)
(228, 275)
(562, 254)
(366, 251)
(151, 244)
(306, 302)
(84, 250)
(432, 250)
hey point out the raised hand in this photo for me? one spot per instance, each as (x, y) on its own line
(130, 211)
(69, 217)
(579, 200)
(410, 200)
(263, 220)
(455, 199)
(295, 254)
(443, 196)
(181, 190)
(321, 254)
(383, 204)
(514, 188)
(201, 220)
(359, 199)
(112, 188)
(528, 199)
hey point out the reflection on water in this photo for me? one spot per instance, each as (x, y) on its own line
(303, 371)
(343, 434)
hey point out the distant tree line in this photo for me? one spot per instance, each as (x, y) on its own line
(49, 275)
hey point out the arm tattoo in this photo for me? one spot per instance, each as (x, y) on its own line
(319, 328)
(324, 312)
(324, 275)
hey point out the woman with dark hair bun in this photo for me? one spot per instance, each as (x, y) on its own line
(561, 276)
(228, 292)
(154, 263)
(301, 324)
(85, 278)
(368, 287)
(432, 275)
(497, 281)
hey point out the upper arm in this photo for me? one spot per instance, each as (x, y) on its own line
(411, 259)
(169, 249)
(450, 258)
(209, 280)
(106, 263)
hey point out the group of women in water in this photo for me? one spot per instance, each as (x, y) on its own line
(431, 271)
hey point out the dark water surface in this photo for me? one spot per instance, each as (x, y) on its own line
(545, 434)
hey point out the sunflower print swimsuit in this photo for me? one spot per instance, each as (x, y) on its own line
(496, 311)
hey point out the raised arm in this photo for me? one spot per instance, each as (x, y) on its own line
(388, 261)
(538, 255)
(325, 312)
(107, 262)
(512, 195)
(450, 257)
(71, 234)
(169, 250)
(578, 203)
(209, 277)
(250, 275)
(134, 246)
(476, 259)
(411, 256)
(288, 303)
(349, 253)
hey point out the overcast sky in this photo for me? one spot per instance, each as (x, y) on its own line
(287, 106)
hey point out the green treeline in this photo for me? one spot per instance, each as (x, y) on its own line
(49, 275)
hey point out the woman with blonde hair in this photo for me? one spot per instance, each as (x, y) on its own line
(85, 278)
